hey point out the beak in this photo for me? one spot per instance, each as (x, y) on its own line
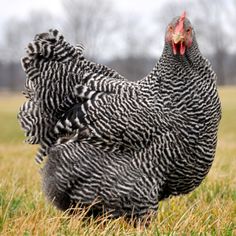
(177, 37)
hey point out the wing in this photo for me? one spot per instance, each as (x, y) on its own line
(114, 121)
(54, 68)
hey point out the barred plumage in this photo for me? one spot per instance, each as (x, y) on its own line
(126, 145)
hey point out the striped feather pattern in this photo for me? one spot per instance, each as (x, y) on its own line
(126, 145)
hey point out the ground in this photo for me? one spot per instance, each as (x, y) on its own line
(209, 210)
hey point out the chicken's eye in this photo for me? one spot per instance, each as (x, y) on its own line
(171, 28)
(189, 30)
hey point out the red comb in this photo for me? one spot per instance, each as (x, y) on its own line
(182, 17)
(180, 26)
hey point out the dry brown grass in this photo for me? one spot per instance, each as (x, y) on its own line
(209, 210)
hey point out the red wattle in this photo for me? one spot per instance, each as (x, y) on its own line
(182, 48)
(174, 48)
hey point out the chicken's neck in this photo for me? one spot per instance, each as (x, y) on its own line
(180, 66)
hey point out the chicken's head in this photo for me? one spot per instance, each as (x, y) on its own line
(179, 34)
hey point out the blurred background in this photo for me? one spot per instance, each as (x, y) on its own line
(126, 35)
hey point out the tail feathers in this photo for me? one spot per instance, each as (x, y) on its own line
(74, 119)
(57, 75)
(51, 45)
(52, 67)
(28, 118)
(41, 153)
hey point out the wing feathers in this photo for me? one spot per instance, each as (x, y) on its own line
(71, 98)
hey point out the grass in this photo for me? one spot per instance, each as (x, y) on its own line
(209, 210)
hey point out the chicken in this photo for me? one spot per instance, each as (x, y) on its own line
(119, 145)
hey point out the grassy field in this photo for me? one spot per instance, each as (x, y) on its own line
(209, 210)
